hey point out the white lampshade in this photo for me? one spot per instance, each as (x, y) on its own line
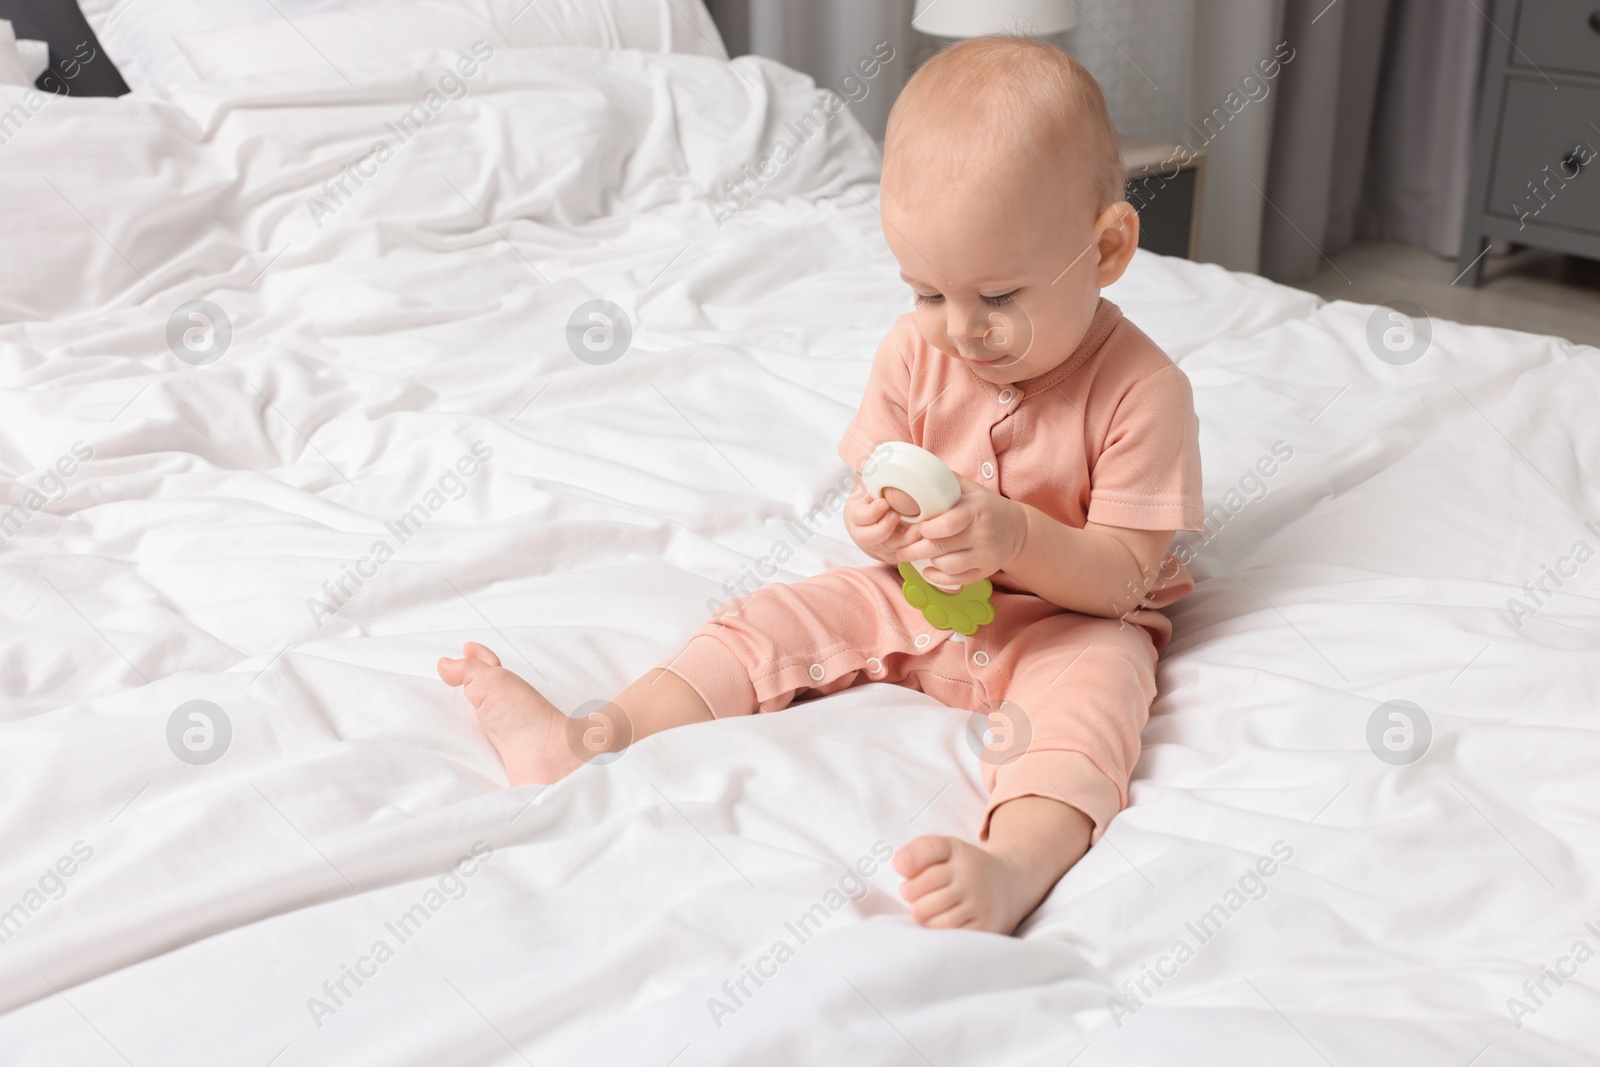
(974, 18)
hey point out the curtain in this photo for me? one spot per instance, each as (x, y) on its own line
(1372, 136)
(1233, 39)
(1421, 157)
(826, 39)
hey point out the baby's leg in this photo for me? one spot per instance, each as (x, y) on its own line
(811, 637)
(1077, 692)
(955, 884)
(539, 744)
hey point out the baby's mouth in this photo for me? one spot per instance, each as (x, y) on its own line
(1003, 360)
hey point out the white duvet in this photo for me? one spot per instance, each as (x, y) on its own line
(349, 883)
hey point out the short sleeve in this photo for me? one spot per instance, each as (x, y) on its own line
(1147, 476)
(882, 415)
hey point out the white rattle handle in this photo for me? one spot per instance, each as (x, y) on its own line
(919, 474)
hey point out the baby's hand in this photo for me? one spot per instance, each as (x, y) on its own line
(874, 525)
(979, 536)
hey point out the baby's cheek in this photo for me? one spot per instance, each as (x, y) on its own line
(931, 324)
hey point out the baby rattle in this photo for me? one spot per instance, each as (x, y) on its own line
(933, 487)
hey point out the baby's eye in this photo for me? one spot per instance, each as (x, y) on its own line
(927, 298)
(1003, 298)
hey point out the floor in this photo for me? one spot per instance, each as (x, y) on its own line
(1528, 290)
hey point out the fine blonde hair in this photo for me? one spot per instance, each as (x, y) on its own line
(1002, 96)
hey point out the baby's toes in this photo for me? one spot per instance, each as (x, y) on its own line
(932, 878)
(484, 684)
(475, 663)
(920, 853)
(936, 905)
(473, 650)
(451, 671)
(956, 918)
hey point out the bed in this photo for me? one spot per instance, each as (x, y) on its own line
(244, 822)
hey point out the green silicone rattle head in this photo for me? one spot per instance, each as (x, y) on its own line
(933, 487)
(962, 611)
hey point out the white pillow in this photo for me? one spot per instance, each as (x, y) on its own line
(13, 69)
(339, 38)
(157, 43)
(137, 34)
(35, 56)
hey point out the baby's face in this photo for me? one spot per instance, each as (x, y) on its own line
(1007, 265)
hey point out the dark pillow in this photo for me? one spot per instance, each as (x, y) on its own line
(78, 65)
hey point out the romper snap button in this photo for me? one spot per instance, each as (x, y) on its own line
(988, 469)
(874, 665)
(1006, 396)
(922, 640)
(981, 658)
(816, 672)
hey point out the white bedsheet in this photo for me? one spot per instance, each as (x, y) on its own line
(209, 904)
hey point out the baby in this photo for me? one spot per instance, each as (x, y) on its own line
(1076, 445)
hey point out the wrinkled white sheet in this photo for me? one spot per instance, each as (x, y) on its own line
(208, 904)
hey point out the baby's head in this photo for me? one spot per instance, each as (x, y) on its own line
(1002, 200)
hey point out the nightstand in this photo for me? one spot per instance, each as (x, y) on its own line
(1533, 175)
(1164, 185)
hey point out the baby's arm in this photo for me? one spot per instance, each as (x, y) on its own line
(1096, 570)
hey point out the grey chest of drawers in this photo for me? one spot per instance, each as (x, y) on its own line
(1536, 165)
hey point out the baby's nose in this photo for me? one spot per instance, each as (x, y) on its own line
(971, 337)
(967, 324)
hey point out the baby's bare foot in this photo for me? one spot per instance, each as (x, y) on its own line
(954, 884)
(530, 733)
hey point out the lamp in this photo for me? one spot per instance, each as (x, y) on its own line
(974, 18)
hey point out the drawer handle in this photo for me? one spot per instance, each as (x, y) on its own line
(1594, 21)
(1577, 159)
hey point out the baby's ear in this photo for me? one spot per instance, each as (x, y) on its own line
(1117, 236)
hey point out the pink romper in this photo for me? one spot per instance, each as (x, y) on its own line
(1110, 437)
